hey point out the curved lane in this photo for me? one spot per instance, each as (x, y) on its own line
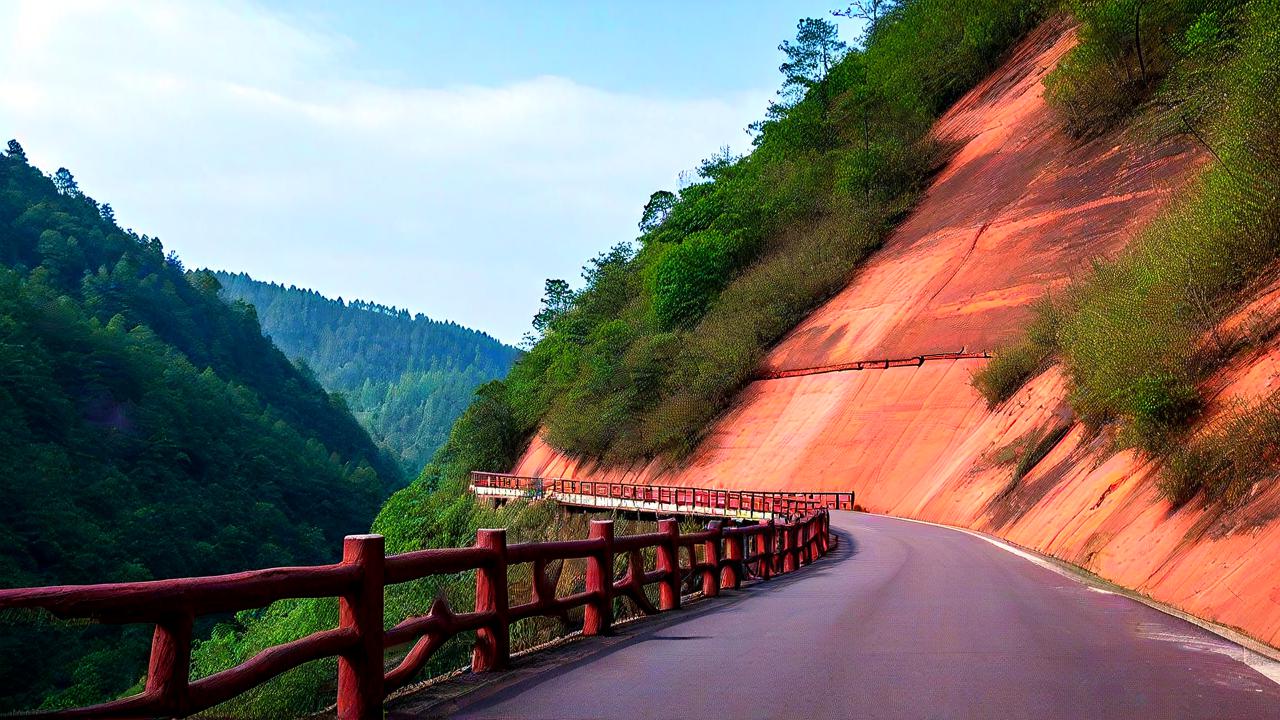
(905, 620)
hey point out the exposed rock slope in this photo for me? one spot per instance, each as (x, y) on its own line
(1017, 211)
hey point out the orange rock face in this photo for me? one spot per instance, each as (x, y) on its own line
(1019, 209)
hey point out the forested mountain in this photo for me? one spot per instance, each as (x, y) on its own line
(406, 378)
(147, 429)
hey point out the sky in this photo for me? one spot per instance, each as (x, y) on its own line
(442, 157)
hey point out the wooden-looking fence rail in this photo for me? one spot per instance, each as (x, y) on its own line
(883, 364)
(660, 499)
(728, 556)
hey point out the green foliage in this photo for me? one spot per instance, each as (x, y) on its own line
(1138, 336)
(405, 378)
(1227, 460)
(1008, 370)
(816, 50)
(656, 210)
(147, 430)
(1125, 48)
(688, 277)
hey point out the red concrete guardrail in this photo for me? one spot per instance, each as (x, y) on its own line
(729, 556)
(659, 499)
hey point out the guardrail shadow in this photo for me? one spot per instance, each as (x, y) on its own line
(472, 692)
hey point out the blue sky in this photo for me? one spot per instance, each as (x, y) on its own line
(441, 157)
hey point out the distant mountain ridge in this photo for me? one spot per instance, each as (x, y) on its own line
(405, 377)
(147, 430)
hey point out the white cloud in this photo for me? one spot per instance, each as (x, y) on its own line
(246, 142)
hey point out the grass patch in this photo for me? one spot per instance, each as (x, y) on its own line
(1010, 368)
(1008, 371)
(1227, 461)
(1125, 49)
(1138, 336)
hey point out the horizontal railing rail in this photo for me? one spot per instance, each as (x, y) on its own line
(884, 364)
(729, 555)
(741, 504)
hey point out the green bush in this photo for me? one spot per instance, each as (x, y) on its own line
(1138, 335)
(688, 277)
(1229, 459)
(1008, 370)
(1126, 47)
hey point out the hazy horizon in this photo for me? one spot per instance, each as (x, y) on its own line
(405, 158)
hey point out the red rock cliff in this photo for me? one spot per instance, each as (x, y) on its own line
(1019, 209)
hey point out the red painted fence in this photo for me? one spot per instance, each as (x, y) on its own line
(729, 555)
(743, 504)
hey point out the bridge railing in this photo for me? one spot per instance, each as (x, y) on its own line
(749, 504)
(728, 556)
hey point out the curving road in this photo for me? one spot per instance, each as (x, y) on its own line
(904, 620)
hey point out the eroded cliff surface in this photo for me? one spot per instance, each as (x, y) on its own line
(1018, 210)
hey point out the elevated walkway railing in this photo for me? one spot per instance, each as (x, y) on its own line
(659, 499)
(728, 556)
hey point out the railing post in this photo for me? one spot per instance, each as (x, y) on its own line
(806, 542)
(788, 548)
(169, 670)
(598, 617)
(493, 641)
(669, 562)
(731, 574)
(711, 549)
(764, 547)
(360, 668)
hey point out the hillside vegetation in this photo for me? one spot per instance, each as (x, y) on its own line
(666, 330)
(664, 334)
(147, 430)
(406, 378)
(1138, 337)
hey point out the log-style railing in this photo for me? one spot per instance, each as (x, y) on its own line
(729, 555)
(661, 499)
(884, 364)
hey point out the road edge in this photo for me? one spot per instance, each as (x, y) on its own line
(1255, 653)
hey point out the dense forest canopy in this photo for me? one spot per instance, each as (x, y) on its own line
(147, 428)
(666, 330)
(405, 377)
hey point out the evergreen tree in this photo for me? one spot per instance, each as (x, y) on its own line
(817, 48)
(65, 182)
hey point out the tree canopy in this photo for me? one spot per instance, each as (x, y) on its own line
(147, 430)
(406, 378)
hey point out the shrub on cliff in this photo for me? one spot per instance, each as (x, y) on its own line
(1126, 47)
(1138, 337)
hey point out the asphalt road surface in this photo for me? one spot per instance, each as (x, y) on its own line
(905, 620)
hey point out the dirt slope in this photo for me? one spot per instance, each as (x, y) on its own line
(1017, 211)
